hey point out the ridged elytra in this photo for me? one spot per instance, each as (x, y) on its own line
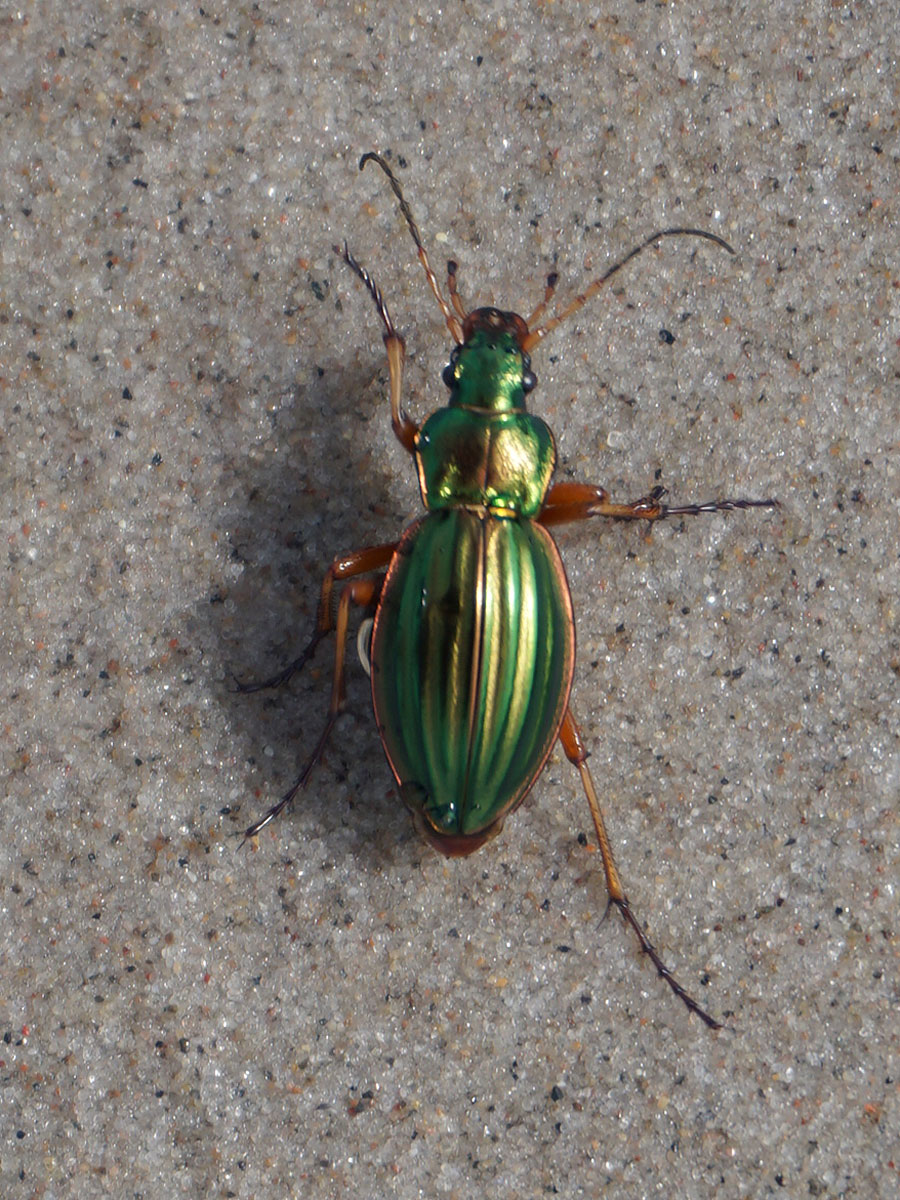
(472, 648)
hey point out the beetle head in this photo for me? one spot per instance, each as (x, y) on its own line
(490, 369)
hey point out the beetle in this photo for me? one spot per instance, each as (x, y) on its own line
(472, 648)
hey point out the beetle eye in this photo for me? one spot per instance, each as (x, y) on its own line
(529, 381)
(449, 375)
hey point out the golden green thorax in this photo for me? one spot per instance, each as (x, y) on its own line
(484, 449)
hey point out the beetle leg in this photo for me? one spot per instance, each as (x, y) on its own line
(455, 299)
(364, 593)
(572, 744)
(578, 501)
(356, 562)
(404, 427)
(549, 289)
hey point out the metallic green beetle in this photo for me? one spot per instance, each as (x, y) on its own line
(472, 649)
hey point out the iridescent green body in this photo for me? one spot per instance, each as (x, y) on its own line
(473, 647)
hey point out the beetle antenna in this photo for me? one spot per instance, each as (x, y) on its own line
(538, 335)
(450, 317)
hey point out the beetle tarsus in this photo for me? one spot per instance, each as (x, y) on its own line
(286, 673)
(662, 970)
(710, 506)
(258, 826)
(371, 286)
(302, 780)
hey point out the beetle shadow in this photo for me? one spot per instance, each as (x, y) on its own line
(341, 483)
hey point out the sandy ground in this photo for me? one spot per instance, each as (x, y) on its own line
(194, 422)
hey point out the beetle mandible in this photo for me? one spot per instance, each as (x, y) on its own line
(472, 650)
